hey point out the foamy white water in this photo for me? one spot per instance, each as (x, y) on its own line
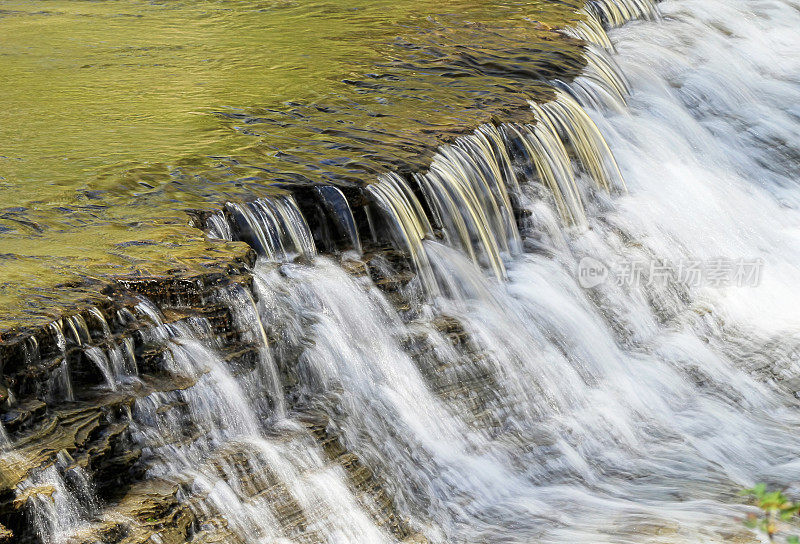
(629, 413)
(211, 438)
(709, 146)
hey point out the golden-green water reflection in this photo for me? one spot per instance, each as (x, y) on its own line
(118, 115)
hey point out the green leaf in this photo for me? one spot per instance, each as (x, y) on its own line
(792, 540)
(772, 500)
(789, 511)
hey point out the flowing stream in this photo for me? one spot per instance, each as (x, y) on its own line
(501, 394)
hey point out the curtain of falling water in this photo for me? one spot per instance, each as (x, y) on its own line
(617, 414)
(632, 414)
(211, 438)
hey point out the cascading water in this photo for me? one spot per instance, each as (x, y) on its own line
(63, 374)
(466, 187)
(123, 360)
(212, 438)
(633, 420)
(245, 314)
(275, 227)
(99, 358)
(59, 499)
(409, 225)
(516, 402)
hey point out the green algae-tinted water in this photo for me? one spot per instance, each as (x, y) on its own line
(117, 116)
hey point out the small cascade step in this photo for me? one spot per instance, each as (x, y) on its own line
(92, 435)
(150, 511)
(94, 430)
(372, 493)
(465, 384)
(469, 387)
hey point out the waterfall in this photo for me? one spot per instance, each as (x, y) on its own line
(618, 12)
(543, 148)
(123, 359)
(100, 359)
(100, 318)
(246, 316)
(59, 499)
(452, 376)
(386, 411)
(601, 84)
(467, 187)
(275, 227)
(218, 227)
(80, 330)
(337, 206)
(409, 224)
(590, 29)
(63, 373)
(566, 117)
(230, 467)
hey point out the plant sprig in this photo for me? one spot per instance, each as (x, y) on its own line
(775, 508)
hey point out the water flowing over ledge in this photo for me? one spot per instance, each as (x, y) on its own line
(379, 90)
(416, 362)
